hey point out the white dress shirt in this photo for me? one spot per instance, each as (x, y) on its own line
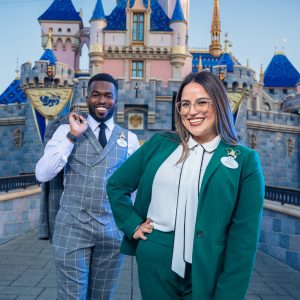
(175, 196)
(59, 148)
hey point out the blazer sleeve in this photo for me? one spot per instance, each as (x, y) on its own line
(243, 233)
(119, 188)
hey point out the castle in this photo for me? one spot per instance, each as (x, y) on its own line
(144, 44)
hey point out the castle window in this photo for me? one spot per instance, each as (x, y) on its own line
(271, 91)
(138, 27)
(59, 29)
(69, 30)
(137, 69)
(285, 91)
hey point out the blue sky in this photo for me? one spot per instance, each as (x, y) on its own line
(255, 28)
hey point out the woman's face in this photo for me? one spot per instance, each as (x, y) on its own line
(200, 123)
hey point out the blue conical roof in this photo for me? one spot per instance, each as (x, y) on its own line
(60, 10)
(178, 13)
(49, 55)
(13, 94)
(280, 72)
(98, 12)
(117, 19)
(227, 60)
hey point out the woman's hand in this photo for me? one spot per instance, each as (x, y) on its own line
(145, 227)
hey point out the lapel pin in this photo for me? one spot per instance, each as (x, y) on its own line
(121, 141)
(229, 160)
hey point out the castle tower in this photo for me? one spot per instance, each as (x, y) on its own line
(65, 23)
(215, 47)
(98, 22)
(179, 42)
(169, 5)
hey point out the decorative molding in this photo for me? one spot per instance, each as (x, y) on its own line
(12, 121)
(272, 127)
(164, 98)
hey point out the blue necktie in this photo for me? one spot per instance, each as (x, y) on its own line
(102, 136)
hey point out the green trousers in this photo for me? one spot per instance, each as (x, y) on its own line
(157, 280)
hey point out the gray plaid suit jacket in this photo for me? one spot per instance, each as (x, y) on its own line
(52, 190)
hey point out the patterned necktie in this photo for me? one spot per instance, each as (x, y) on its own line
(102, 136)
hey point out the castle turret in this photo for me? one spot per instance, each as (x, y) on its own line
(98, 23)
(215, 47)
(65, 23)
(179, 42)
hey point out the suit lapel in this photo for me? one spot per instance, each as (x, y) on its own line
(213, 165)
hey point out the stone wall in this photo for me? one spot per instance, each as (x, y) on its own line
(280, 237)
(19, 213)
(12, 126)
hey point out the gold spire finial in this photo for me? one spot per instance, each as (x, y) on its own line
(261, 74)
(200, 65)
(128, 4)
(215, 46)
(49, 43)
(81, 13)
(226, 41)
(248, 63)
(17, 69)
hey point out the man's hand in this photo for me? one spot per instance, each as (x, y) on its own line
(145, 227)
(78, 124)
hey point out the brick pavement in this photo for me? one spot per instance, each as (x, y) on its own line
(27, 272)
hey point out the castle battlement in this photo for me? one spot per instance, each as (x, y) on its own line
(284, 119)
(292, 103)
(37, 76)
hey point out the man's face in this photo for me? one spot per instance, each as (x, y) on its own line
(101, 100)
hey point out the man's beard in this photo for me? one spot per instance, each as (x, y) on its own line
(92, 112)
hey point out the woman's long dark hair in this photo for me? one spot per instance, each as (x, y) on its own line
(217, 93)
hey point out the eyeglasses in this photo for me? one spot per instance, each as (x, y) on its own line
(201, 105)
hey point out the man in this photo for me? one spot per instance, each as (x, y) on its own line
(86, 241)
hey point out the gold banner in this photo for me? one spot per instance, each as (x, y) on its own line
(235, 100)
(49, 102)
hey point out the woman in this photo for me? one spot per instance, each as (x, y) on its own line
(195, 222)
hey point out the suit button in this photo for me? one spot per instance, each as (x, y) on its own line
(88, 194)
(93, 168)
(199, 233)
(91, 180)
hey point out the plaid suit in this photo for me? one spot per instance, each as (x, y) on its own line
(86, 241)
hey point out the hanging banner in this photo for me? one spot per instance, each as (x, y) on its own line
(49, 102)
(235, 100)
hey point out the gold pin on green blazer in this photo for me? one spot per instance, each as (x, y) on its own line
(228, 215)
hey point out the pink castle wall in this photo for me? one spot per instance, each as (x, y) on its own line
(114, 67)
(161, 69)
(67, 55)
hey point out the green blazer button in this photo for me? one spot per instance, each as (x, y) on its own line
(199, 233)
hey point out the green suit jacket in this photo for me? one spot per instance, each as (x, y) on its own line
(228, 215)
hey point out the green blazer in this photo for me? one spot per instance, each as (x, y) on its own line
(228, 216)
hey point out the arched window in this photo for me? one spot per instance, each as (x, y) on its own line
(138, 27)
(235, 86)
(84, 58)
(69, 30)
(59, 30)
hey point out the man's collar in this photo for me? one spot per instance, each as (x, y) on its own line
(94, 124)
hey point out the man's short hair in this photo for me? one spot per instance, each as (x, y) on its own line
(103, 77)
